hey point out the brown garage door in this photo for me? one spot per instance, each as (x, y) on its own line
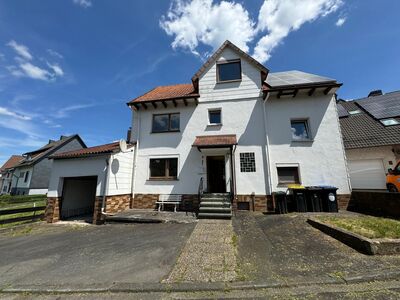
(78, 197)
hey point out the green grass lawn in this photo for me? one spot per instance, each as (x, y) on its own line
(15, 202)
(368, 226)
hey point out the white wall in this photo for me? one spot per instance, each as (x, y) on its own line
(322, 161)
(383, 153)
(248, 87)
(120, 175)
(76, 167)
(242, 114)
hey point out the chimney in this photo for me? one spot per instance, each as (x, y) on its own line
(375, 93)
(129, 135)
(51, 141)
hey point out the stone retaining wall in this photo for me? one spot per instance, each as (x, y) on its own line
(190, 202)
(261, 203)
(375, 203)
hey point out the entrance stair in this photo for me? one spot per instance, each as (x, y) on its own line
(215, 206)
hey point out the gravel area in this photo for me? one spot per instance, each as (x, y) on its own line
(209, 255)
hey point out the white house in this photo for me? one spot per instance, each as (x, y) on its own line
(371, 135)
(235, 134)
(7, 173)
(239, 129)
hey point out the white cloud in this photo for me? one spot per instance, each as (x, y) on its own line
(196, 22)
(340, 21)
(83, 3)
(6, 112)
(202, 21)
(21, 50)
(55, 53)
(64, 112)
(35, 72)
(56, 69)
(279, 18)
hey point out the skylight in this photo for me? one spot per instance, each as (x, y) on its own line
(355, 112)
(390, 122)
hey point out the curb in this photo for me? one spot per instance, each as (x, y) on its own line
(124, 287)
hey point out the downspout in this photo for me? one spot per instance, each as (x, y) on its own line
(267, 146)
(133, 184)
(105, 189)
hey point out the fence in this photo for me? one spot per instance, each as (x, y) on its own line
(30, 217)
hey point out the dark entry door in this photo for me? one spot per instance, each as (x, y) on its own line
(216, 174)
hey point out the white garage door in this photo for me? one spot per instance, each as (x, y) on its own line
(367, 174)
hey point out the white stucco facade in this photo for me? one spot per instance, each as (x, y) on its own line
(321, 161)
(117, 182)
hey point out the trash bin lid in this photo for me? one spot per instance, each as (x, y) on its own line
(296, 186)
(327, 187)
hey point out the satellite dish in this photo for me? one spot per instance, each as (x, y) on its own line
(122, 145)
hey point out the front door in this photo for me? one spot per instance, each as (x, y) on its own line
(216, 174)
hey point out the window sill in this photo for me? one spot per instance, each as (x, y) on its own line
(163, 179)
(229, 81)
(303, 141)
(170, 131)
(286, 184)
(214, 124)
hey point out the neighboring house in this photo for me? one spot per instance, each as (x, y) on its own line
(371, 136)
(6, 173)
(236, 131)
(32, 174)
(90, 181)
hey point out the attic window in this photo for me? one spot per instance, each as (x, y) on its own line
(355, 112)
(389, 122)
(229, 70)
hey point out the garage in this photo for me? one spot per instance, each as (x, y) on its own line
(367, 174)
(78, 197)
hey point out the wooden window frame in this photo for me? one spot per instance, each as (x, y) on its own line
(169, 123)
(231, 61)
(166, 177)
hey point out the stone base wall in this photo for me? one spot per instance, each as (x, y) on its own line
(343, 201)
(190, 202)
(261, 203)
(118, 203)
(114, 204)
(52, 212)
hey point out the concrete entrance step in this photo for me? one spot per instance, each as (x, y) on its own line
(215, 195)
(219, 210)
(215, 204)
(214, 215)
(215, 200)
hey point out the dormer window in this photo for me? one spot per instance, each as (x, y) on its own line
(228, 71)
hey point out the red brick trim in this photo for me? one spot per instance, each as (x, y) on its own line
(343, 201)
(190, 202)
(261, 203)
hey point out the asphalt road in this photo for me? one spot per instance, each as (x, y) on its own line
(92, 255)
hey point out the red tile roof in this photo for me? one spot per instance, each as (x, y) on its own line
(166, 92)
(215, 140)
(101, 149)
(11, 162)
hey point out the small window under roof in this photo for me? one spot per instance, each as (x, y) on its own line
(390, 122)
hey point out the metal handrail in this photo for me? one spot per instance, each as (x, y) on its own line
(201, 188)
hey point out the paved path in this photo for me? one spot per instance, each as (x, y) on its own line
(209, 255)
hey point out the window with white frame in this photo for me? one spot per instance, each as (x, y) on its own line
(300, 130)
(288, 174)
(247, 162)
(214, 116)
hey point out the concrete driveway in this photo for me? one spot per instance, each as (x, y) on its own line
(65, 255)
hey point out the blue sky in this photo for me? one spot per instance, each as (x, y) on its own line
(70, 66)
